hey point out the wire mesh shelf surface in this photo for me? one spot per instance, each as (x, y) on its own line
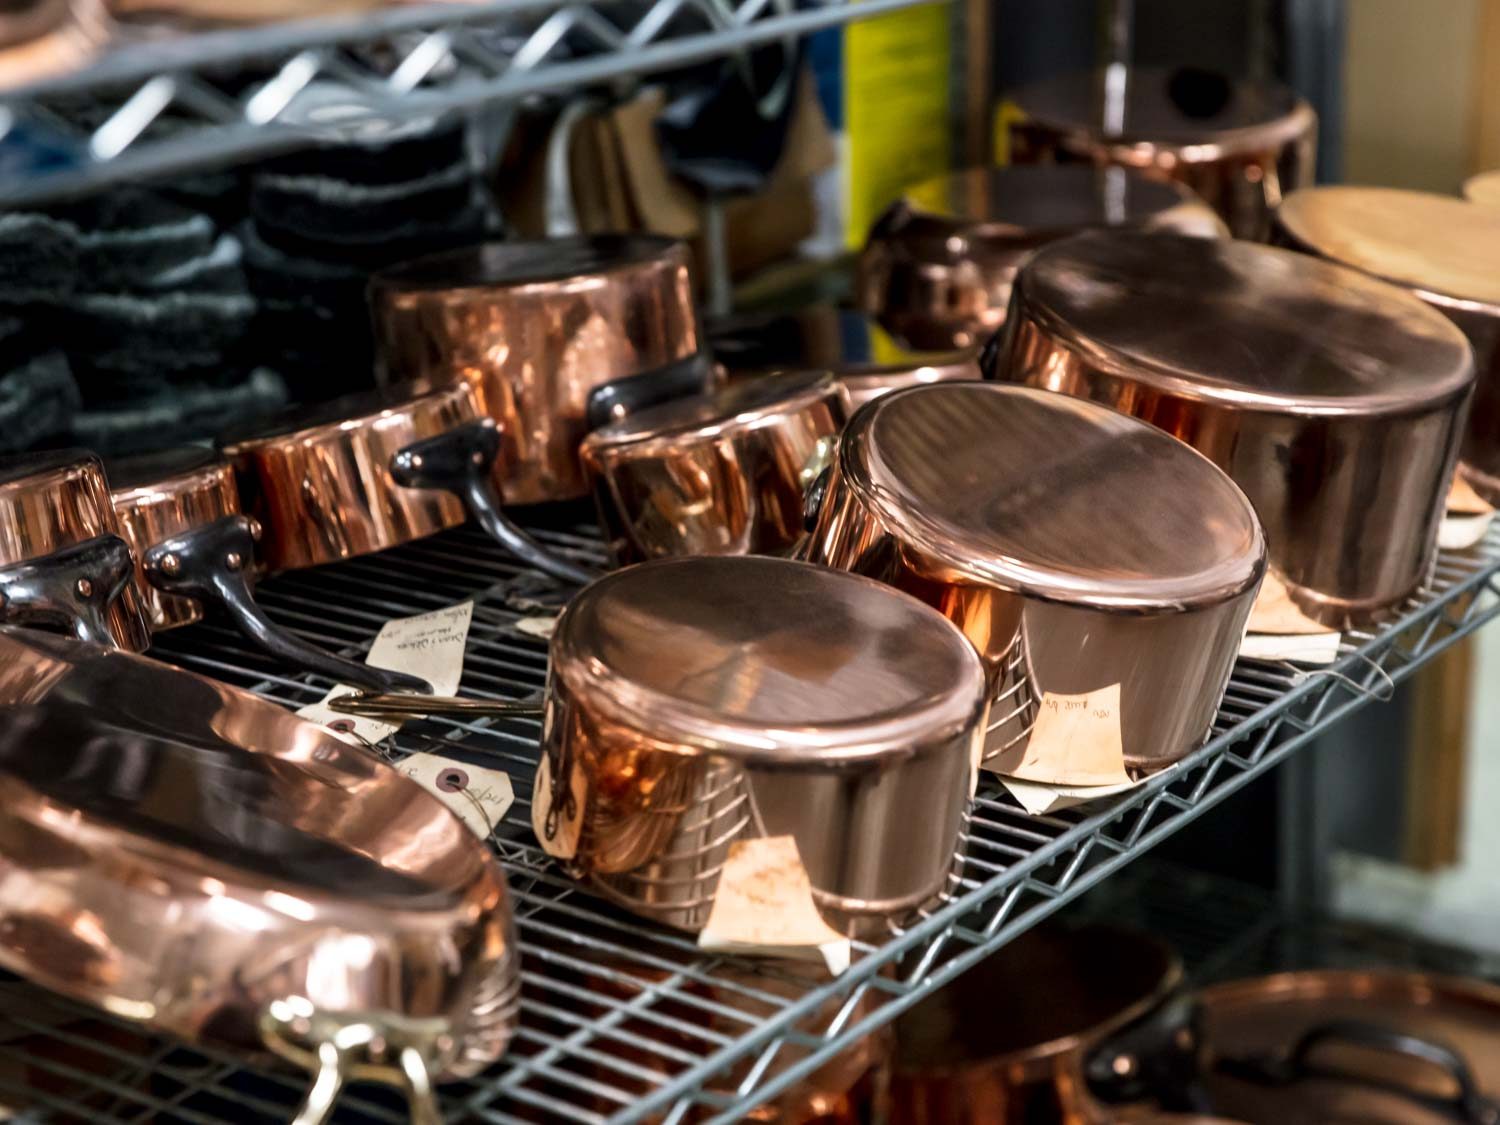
(623, 1020)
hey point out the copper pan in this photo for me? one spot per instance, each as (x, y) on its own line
(1080, 551)
(1484, 188)
(183, 854)
(1240, 145)
(534, 328)
(1334, 400)
(938, 265)
(63, 565)
(42, 39)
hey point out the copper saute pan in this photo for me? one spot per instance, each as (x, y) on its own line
(1334, 400)
(178, 852)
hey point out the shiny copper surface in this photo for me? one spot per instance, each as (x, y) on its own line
(59, 499)
(319, 479)
(938, 266)
(184, 854)
(533, 327)
(40, 39)
(1483, 188)
(1075, 547)
(1240, 145)
(696, 702)
(1334, 400)
(715, 474)
(159, 495)
(1441, 249)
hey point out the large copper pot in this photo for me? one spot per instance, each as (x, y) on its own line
(1241, 145)
(1334, 400)
(938, 265)
(1442, 250)
(1080, 550)
(533, 328)
(1483, 188)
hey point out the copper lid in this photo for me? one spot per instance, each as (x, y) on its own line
(494, 265)
(1484, 188)
(779, 661)
(359, 409)
(1244, 325)
(150, 470)
(1444, 248)
(1053, 497)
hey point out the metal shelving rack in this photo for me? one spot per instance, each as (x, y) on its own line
(621, 1020)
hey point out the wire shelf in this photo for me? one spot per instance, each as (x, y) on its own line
(622, 1020)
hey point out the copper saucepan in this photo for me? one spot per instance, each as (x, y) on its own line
(534, 328)
(63, 565)
(938, 264)
(1095, 564)
(1241, 145)
(1334, 400)
(183, 854)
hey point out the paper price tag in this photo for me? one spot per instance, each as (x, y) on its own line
(1039, 799)
(567, 826)
(764, 907)
(1460, 531)
(1075, 740)
(1463, 500)
(1279, 630)
(1275, 612)
(537, 626)
(480, 797)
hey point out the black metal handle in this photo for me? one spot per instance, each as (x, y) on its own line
(460, 461)
(212, 564)
(812, 499)
(626, 395)
(989, 355)
(1154, 1058)
(70, 590)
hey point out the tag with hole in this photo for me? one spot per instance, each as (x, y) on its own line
(763, 907)
(1075, 740)
(430, 645)
(479, 796)
(558, 834)
(1279, 630)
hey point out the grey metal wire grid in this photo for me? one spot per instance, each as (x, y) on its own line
(625, 1021)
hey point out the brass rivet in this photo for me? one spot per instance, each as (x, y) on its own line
(85, 588)
(233, 560)
(255, 530)
(416, 461)
(1124, 1065)
(170, 564)
(478, 458)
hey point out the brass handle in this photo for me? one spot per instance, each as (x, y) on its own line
(410, 705)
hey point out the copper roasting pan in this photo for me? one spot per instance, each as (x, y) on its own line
(181, 853)
(1240, 145)
(1334, 400)
(1440, 249)
(1080, 550)
(938, 265)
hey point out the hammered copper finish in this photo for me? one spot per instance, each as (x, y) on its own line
(533, 327)
(1266, 1017)
(939, 263)
(1484, 188)
(184, 854)
(1334, 400)
(319, 480)
(1444, 251)
(60, 499)
(159, 495)
(716, 474)
(1239, 145)
(1077, 549)
(695, 703)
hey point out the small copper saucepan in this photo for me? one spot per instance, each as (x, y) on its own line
(63, 565)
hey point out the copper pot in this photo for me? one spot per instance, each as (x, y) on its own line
(1483, 188)
(1335, 401)
(41, 39)
(938, 265)
(183, 854)
(1080, 551)
(1241, 145)
(63, 565)
(533, 328)
(1440, 249)
(716, 474)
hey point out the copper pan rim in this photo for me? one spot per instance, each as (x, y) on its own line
(1144, 152)
(1319, 984)
(405, 279)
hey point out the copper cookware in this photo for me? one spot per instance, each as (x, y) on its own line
(62, 563)
(938, 265)
(1241, 145)
(1444, 251)
(715, 474)
(1334, 400)
(184, 854)
(1483, 188)
(40, 39)
(1080, 551)
(534, 327)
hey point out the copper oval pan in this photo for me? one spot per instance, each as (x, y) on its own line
(1093, 562)
(1442, 250)
(938, 265)
(1240, 145)
(1334, 400)
(183, 854)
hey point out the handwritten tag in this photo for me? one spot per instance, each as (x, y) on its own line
(479, 796)
(567, 826)
(764, 907)
(537, 626)
(1075, 740)
(430, 645)
(1463, 500)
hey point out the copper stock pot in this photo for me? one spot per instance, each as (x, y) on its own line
(1334, 400)
(938, 265)
(1240, 145)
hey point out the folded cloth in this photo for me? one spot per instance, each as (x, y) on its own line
(375, 248)
(176, 330)
(38, 402)
(38, 258)
(179, 413)
(329, 208)
(126, 237)
(412, 153)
